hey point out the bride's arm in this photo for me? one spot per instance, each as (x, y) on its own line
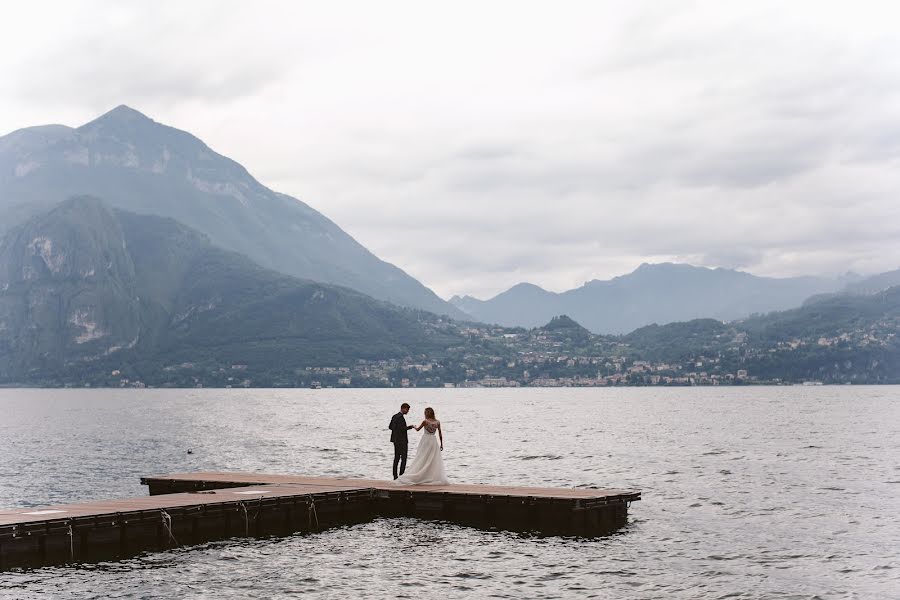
(420, 426)
(441, 435)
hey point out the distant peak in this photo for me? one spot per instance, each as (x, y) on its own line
(652, 269)
(120, 116)
(663, 266)
(31, 137)
(82, 205)
(124, 112)
(52, 129)
(563, 322)
(525, 286)
(523, 289)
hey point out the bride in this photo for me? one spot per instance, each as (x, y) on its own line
(428, 465)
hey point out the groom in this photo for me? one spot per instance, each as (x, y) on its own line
(398, 429)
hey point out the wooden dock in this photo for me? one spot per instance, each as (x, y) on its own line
(192, 508)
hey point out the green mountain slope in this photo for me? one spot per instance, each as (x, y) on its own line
(87, 290)
(833, 338)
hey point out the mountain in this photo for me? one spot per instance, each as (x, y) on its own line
(87, 289)
(837, 338)
(678, 341)
(875, 283)
(653, 293)
(523, 305)
(136, 164)
(564, 326)
(829, 316)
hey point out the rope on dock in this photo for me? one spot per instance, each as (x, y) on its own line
(312, 513)
(71, 543)
(243, 505)
(167, 523)
(246, 519)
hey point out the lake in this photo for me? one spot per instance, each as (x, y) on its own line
(753, 492)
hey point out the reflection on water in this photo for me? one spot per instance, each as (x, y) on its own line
(748, 493)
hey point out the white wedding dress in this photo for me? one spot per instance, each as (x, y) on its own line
(428, 465)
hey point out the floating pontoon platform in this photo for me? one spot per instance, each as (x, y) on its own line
(192, 508)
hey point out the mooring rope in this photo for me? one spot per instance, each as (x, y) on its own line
(246, 519)
(243, 505)
(312, 513)
(167, 523)
(71, 543)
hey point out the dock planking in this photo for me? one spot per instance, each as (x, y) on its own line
(192, 508)
(211, 480)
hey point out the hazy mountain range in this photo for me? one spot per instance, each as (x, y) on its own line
(86, 286)
(88, 291)
(876, 283)
(126, 242)
(653, 293)
(134, 163)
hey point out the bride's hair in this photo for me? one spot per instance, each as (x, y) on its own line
(429, 413)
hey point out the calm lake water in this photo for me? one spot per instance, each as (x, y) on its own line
(748, 492)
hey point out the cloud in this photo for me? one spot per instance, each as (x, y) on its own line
(476, 146)
(150, 56)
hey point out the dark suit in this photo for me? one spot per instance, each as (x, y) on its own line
(398, 429)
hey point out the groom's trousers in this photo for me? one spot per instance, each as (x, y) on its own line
(400, 452)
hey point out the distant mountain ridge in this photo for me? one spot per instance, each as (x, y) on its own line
(835, 338)
(86, 289)
(136, 164)
(93, 295)
(875, 283)
(653, 293)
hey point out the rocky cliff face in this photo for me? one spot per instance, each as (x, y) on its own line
(67, 289)
(135, 163)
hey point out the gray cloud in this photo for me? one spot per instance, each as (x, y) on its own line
(595, 137)
(150, 56)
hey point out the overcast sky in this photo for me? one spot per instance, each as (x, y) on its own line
(477, 145)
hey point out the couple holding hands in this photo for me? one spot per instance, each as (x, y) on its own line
(428, 465)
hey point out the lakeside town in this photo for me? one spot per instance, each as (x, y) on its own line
(393, 373)
(564, 354)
